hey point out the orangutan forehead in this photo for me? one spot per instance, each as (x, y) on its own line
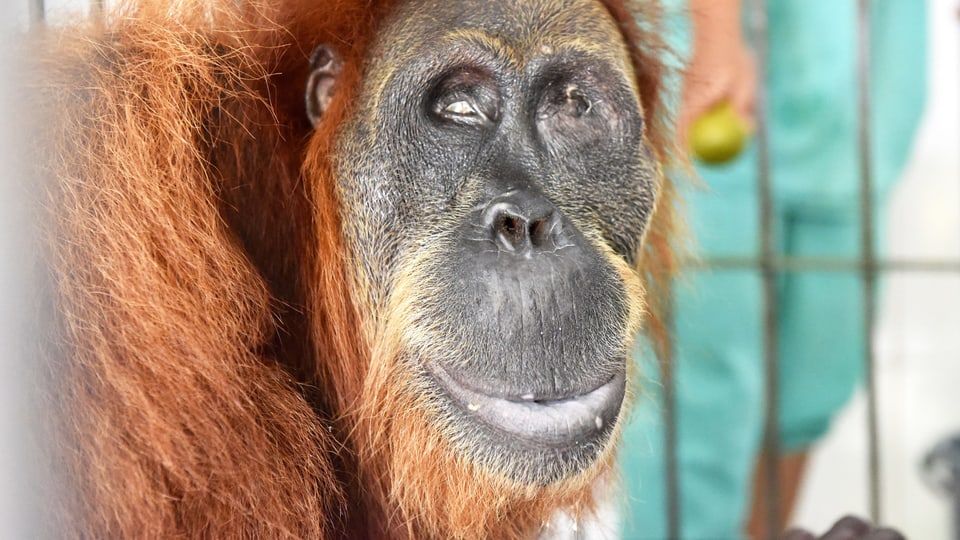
(514, 28)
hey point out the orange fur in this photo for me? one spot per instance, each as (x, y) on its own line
(210, 375)
(658, 263)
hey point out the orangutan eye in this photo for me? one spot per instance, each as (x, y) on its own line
(465, 97)
(576, 103)
(570, 102)
(461, 109)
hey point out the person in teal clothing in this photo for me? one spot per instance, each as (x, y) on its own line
(813, 124)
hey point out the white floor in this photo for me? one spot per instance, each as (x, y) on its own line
(918, 338)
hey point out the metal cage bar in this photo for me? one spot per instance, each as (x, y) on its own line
(671, 470)
(769, 275)
(868, 271)
(827, 264)
(37, 11)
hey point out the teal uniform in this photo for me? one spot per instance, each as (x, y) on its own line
(813, 124)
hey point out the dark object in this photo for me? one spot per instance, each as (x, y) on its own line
(941, 470)
(847, 528)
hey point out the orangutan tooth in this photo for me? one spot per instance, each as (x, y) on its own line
(473, 407)
(599, 422)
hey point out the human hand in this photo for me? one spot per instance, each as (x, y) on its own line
(722, 68)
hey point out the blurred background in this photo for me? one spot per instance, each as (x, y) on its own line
(918, 333)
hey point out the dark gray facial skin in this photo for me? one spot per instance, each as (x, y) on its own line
(495, 181)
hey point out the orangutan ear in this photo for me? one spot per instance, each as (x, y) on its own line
(325, 67)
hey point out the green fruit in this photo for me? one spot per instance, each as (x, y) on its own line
(718, 135)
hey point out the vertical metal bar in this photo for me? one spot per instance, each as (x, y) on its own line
(97, 8)
(674, 528)
(868, 256)
(37, 11)
(768, 272)
(956, 512)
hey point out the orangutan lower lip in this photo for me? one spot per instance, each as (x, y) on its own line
(554, 423)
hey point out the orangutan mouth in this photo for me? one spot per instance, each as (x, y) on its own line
(554, 422)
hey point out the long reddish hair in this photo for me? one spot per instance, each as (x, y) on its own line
(206, 360)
